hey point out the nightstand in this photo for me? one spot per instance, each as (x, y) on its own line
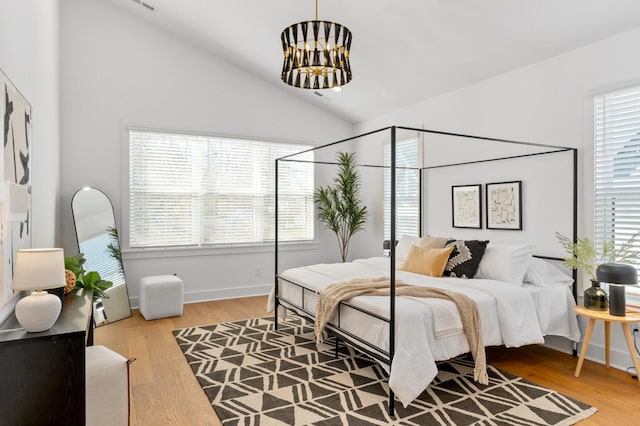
(608, 319)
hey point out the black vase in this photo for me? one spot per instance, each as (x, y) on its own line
(595, 297)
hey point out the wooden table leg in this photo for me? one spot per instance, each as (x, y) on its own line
(585, 345)
(632, 349)
(607, 342)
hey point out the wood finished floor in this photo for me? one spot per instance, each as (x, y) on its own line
(165, 392)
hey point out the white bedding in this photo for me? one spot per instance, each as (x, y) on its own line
(511, 315)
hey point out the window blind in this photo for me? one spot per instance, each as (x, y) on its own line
(193, 191)
(99, 259)
(617, 166)
(407, 188)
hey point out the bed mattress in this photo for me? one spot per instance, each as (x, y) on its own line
(430, 330)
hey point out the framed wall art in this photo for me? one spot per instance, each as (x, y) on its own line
(504, 205)
(466, 206)
(15, 192)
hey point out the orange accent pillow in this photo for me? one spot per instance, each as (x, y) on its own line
(430, 261)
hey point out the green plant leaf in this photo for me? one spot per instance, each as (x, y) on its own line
(74, 264)
(84, 279)
(584, 254)
(339, 206)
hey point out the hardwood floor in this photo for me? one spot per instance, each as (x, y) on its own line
(165, 392)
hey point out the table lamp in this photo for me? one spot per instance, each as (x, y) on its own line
(38, 270)
(617, 276)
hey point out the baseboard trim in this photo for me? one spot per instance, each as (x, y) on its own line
(618, 358)
(218, 294)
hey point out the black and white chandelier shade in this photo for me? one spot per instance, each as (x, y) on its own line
(316, 55)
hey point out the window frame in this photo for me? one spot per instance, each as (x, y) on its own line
(205, 250)
(386, 225)
(633, 292)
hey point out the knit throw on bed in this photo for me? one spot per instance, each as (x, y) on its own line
(331, 296)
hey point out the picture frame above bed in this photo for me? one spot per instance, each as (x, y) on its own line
(466, 206)
(504, 205)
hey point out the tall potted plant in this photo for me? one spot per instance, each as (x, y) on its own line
(339, 206)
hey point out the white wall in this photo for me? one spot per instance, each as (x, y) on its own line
(548, 102)
(119, 71)
(29, 57)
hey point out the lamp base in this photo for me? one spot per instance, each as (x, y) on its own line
(617, 300)
(38, 311)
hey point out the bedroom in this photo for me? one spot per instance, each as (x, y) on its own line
(104, 84)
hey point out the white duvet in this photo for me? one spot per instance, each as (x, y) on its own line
(429, 330)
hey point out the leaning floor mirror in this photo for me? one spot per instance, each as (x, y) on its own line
(97, 237)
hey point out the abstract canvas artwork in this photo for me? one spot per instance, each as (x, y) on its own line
(15, 192)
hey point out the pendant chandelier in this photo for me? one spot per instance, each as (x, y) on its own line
(316, 54)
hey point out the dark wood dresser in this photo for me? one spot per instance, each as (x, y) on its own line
(42, 375)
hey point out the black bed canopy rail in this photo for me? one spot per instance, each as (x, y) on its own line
(542, 149)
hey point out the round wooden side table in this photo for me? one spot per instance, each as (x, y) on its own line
(608, 319)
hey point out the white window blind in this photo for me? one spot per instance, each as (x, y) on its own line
(617, 166)
(98, 258)
(193, 191)
(407, 189)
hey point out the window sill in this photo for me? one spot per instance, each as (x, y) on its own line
(223, 250)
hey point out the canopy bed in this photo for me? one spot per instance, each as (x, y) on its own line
(520, 293)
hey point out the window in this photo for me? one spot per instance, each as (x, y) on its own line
(617, 166)
(198, 191)
(407, 189)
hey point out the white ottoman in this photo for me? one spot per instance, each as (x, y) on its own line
(161, 296)
(107, 387)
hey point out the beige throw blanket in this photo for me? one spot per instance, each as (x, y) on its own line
(331, 296)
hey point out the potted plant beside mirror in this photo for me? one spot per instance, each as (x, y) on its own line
(584, 254)
(85, 279)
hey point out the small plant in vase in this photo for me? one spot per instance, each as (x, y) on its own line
(85, 279)
(584, 254)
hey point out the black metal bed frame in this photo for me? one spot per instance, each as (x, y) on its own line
(355, 341)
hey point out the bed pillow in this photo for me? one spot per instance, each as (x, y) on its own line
(505, 262)
(433, 242)
(545, 274)
(465, 257)
(404, 246)
(427, 261)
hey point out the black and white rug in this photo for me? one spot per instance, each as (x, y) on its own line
(254, 375)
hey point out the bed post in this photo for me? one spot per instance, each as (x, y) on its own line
(575, 231)
(275, 238)
(392, 266)
(420, 219)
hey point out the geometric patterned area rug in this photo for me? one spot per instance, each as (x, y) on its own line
(254, 375)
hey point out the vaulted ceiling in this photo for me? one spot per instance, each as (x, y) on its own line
(403, 51)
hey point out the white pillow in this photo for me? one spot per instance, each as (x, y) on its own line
(506, 263)
(545, 274)
(404, 246)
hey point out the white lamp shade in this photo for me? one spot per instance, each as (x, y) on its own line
(39, 269)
